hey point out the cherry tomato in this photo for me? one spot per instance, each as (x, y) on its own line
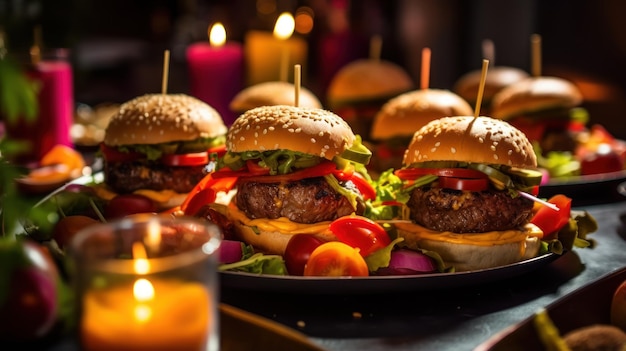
(298, 251)
(128, 204)
(360, 232)
(191, 159)
(336, 259)
(476, 184)
(65, 229)
(551, 221)
(63, 154)
(416, 172)
(603, 160)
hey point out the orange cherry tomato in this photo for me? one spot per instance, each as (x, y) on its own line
(336, 259)
(63, 154)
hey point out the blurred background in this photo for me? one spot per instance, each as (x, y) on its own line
(116, 47)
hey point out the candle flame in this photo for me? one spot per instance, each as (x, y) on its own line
(142, 266)
(153, 237)
(217, 35)
(143, 291)
(285, 25)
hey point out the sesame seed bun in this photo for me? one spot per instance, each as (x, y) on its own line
(471, 139)
(497, 78)
(535, 94)
(162, 118)
(408, 112)
(307, 130)
(367, 79)
(272, 93)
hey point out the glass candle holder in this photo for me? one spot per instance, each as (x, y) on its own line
(147, 282)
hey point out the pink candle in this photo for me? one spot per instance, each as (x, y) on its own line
(56, 106)
(216, 72)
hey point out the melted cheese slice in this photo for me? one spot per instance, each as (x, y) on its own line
(160, 197)
(481, 239)
(282, 224)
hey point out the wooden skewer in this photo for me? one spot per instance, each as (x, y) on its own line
(481, 87)
(297, 74)
(35, 50)
(284, 64)
(376, 44)
(535, 40)
(489, 51)
(425, 76)
(166, 66)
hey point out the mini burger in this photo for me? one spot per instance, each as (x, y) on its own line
(293, 172)
(359, 89)
(272, 93)
(467, 181)
(397, 121)
(159, 145)
(545, 108)
(499, 77)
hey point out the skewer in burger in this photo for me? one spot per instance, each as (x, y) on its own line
(399, 118)
(466, 180)
(158, 146)
(293, 172)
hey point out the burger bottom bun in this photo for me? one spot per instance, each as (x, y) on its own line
(467, 257)
(164, 199)
(271, 242)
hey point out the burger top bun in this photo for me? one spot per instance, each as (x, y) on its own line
(308, 130)
(272, 93)
(162, 118)
(471, 139)
(496, 79)
(408, 112)
(367, 79)
(535, 94)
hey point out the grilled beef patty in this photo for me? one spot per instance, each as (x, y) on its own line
(308, 201)
(468, 212)
(126, 177)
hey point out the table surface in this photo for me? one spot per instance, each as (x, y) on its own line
(447, 319)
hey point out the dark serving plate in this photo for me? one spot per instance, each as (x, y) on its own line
(585, 306)
(587, 190)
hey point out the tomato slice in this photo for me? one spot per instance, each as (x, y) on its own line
(360, 232)
(220, 150)
(111, 154)
(336, 259)
(467, 184)
(365, 188)
(255, 169)
(205, 192)
(319, 170)
(551, 221)
(191, 159)
(416, 172)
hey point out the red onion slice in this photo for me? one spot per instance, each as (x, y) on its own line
(230, 251)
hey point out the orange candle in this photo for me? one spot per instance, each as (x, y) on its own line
(270, 56)
(147, 315)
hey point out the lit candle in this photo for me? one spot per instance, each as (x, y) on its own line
(146, 315)
(56, 109)
(164, 300)
(216, 71)
(270, 55)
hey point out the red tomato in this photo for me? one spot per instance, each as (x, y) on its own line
(365, 188)
(205, 192)
(360, 232)
(320, 170)
(551, 221)
(192, 159)
(476, 184)
(414, 173)
(603, 160)
(111, 154)
(67, 227)
(298, 251)
(30, 298)
(128, 204)
(220, 150)
(255, 169)
(336, 259)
